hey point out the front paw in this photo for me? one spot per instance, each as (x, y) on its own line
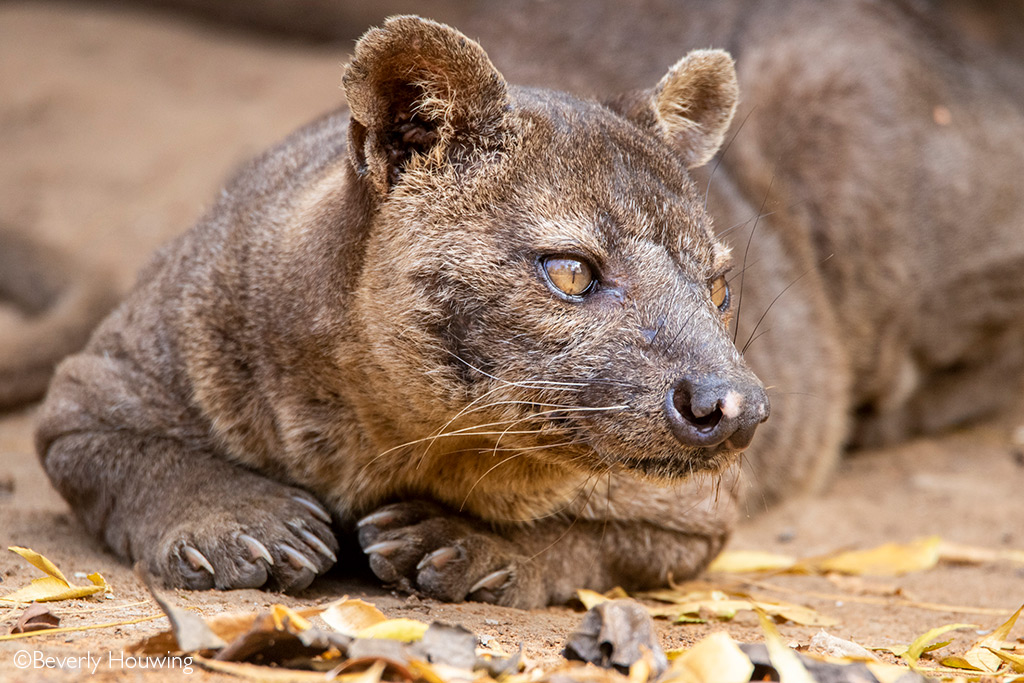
(281, 539)
(426, 548)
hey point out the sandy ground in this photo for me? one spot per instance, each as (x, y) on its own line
(116, 129)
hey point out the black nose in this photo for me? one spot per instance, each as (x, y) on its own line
(715, 411)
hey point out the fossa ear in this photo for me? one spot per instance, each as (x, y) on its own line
(694, 104)
(420, 93)
(691, 107)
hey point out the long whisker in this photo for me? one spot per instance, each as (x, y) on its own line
(466, 430)
(746, 251)
(566, 531)
(777, 297)
(531, 384)
(569, 503)
(682, 327)
(472, 430)
(725, 150)
(518, 452)
(471, 408)
(754, 339)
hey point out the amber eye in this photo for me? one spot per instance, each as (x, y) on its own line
(720, 293)
(570, 276)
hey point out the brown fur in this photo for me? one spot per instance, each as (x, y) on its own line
(331, 310)
(371, 325)
(901, 225)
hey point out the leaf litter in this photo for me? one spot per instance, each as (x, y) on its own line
(54, 586)
(362, 645)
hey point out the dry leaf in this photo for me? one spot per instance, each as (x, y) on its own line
(445, 644)
(267, 674)
(191, 634)
(890, 559)
(745, 561)
(282, 636)
(641, 670)
(360, 619)
(371, 671)
(966, 554)
(981, 656)
(616, 634)
(1016, 662)
(402, 630)
(886, 673)
(589, 598)
(53, 586)
(36, 618)
(785, 660)
(287, 619)
(923, 643)
(839, 648)
(349, 616)
(721, 605)
(425, 671)
(858, 585)
(716, 659)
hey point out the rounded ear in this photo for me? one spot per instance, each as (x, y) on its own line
(691, 107)
(419, 91)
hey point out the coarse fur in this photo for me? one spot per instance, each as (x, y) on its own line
(363, 321)
(867, 194)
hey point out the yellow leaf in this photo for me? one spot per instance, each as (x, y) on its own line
(923, 642)
(981, 655)
(716, 659)
(798, 614)
(1016, 662)
(54, 586)
(727, 609)
(287, 619)
(350, 616)
(425, 671)
(784, 659)
(955, 662)
(640, 670)
(967, 554)
(405, 630)
(744, 561)
(886, 673)
(719, 608)
(721, 605)
(590, 598)
(39, 562)
(891, 559)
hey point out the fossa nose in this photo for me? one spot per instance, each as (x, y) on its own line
(715, 411)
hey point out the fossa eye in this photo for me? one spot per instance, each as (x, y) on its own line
(568, 275)
(720, 297)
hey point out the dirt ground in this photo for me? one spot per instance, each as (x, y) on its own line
(117, 128)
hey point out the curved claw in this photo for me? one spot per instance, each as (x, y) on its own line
(257, 550)
(197, 559)
(384, 548)
(492, 581)
(315, 509)
(297, 559)
(321, 547)
(438, 559)
(379, 518)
